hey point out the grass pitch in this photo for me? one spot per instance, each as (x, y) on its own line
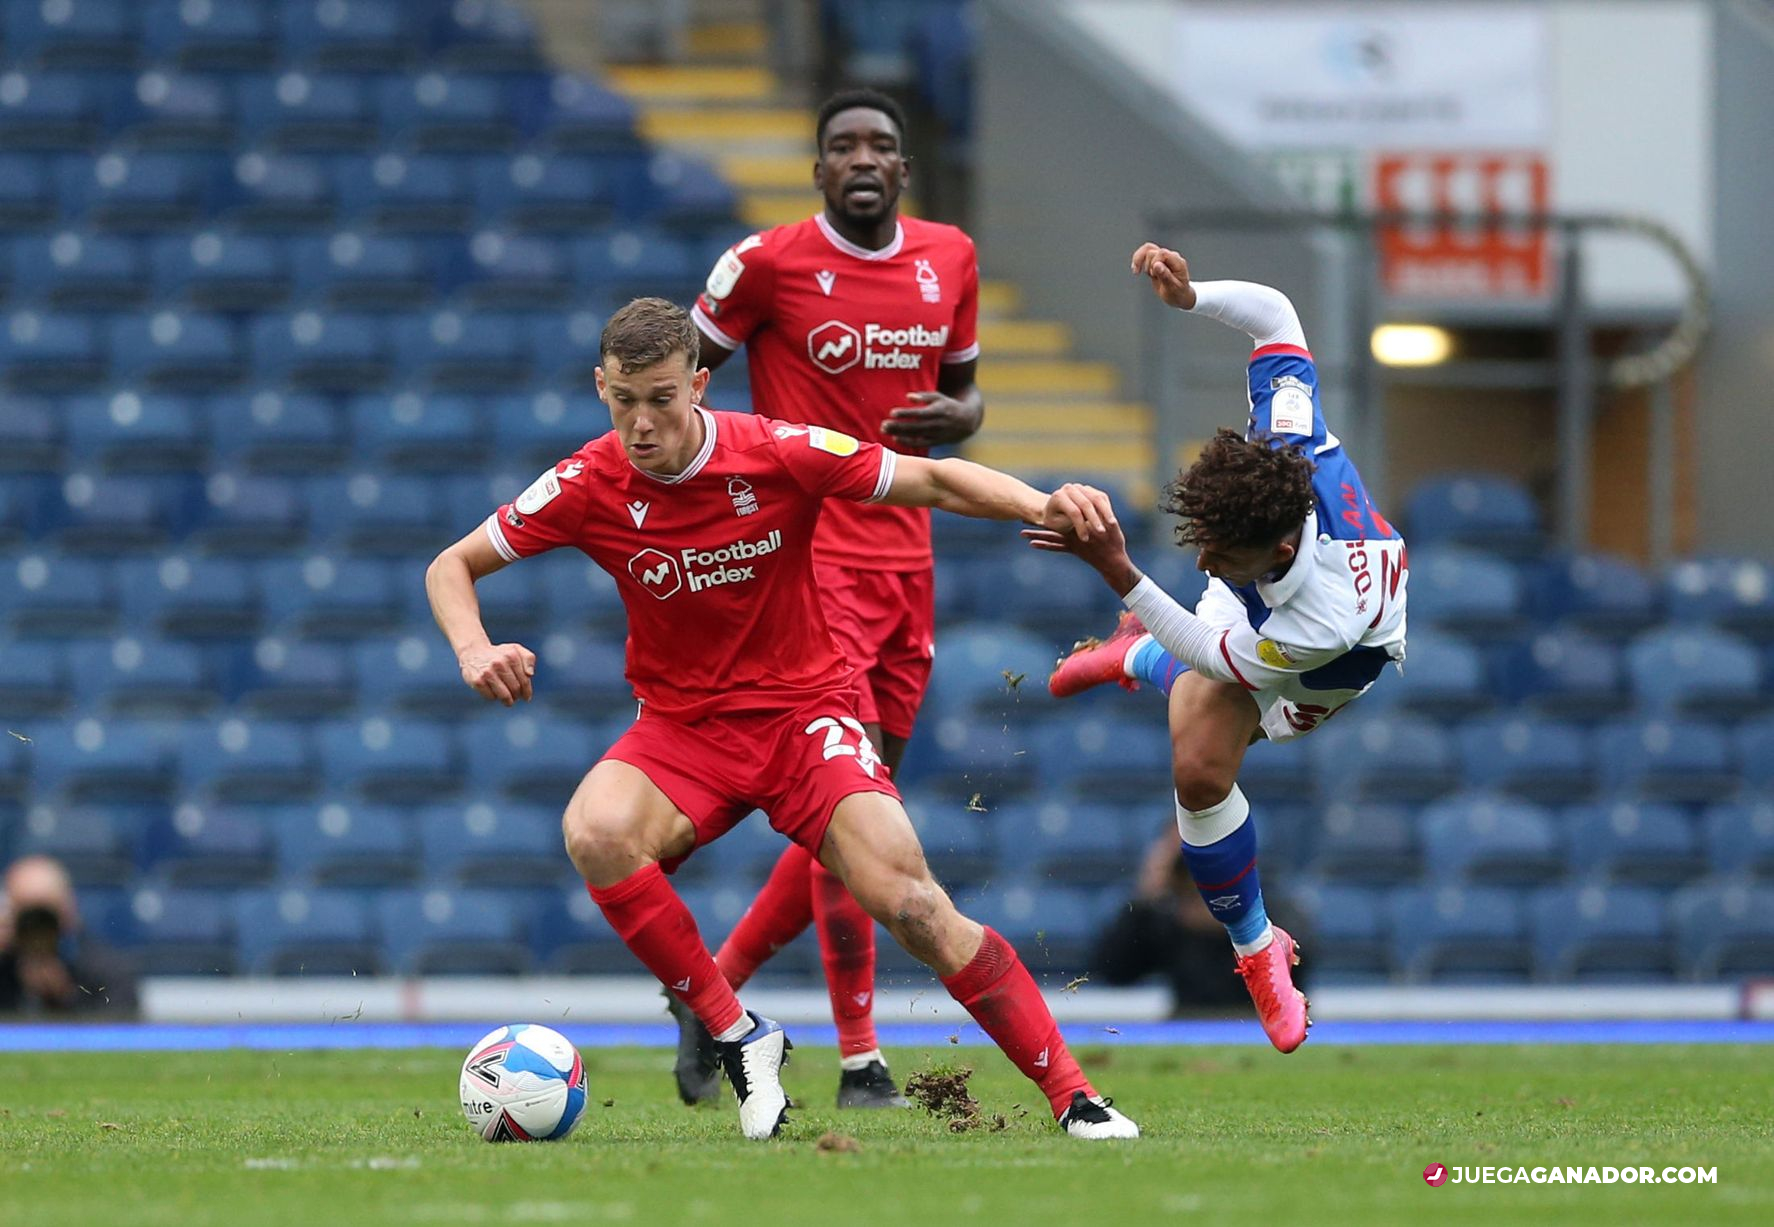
(1233, 1135)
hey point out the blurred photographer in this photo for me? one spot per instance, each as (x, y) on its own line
(48, 967)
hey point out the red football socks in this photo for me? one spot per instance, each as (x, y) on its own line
(654, 923)
(776, 917)
(847, 947)
(1007, 1004)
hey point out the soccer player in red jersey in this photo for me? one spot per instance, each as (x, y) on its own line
(863, 321)
(707, 522)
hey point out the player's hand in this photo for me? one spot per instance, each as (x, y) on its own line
(1079, 509)
(500, 671)
(1169, 274)
(931, 420)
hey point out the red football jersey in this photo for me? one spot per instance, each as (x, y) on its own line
(715, 564)
(840, 335)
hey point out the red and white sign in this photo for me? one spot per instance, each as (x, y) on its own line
(1463, 261)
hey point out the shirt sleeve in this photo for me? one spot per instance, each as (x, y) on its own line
(735, 301)
(964, 333)
(831, 464)
(1283, 378)
(1235, 653)
(548, 514)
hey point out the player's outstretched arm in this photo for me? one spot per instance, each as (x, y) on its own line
(1262, 312)
(974, 490)
(501, 672)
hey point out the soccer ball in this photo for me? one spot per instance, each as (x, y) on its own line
(523, 1083)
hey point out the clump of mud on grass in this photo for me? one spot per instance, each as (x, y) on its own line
(837, 1143)
(942, 1092)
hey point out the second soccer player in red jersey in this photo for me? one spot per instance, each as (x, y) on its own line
(863, 321)
(707, 521)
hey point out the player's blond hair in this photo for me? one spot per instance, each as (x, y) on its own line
(647, 331)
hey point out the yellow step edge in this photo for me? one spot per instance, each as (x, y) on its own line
(1047, 337)
(1048, 378)
(1062, 417)
(730, 40)
(1000, 297)
(717, 125)
(780, 171)
(711, 83)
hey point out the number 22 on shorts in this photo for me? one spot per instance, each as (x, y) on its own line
(835, 745)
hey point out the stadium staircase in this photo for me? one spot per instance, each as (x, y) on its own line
(1050, 411)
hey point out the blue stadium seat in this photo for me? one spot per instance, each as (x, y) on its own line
(277, 192)
(311, 349)
(359, 35)
(1373, 845)
(491, 842)
(394, 191)
(1052, 925)
(1031, 589)
(1381, 759)
(42, 594)
(416, 673)
(976, 664)
(270, 431)
(1594, 592)
(1112, 759)
(1695, 670)
(394, 760)
(1081, 845)
(128, 431)
(340, 843)
(450, 349)
(71, 270)
(50, 350)
(233, 759)
(1459, 933)
(971, 760)
(31, 436)
(1736, 594)
(413, 431)
(1443, 677)
(95, 844)
(1272, 772)
(717, 908)
(1565, 674)
(1480, 510)
(209, 845)
(958, 842)
(142, 678)
(458, 112)
(1666, 760)
(1599, 934)
(570, 936)
(1487, 837)
(105, 514)
(34, 678)
(52, 110)
(294, 680)
(536, 429)
(1739, 837)
(28, 195)
(447, 931)
(576, 113)
(125, 190)
(1349, 926)
(1755, 751)
(627, 263)
(304, 112)
(1724, 930)
(1538, 759)
(1465, 592)
(175, 349)
(15, 769)
(533, 191)
(329, 597)
(580, 675)
(527, 758)
(564, 352)
(213, 271)
(494, 36)
(356, 270)
(371, 513)
(71, 33)
(249, 515)
(524, 272)
(744, 853)
(944, 45)
(686, 192)
(1650, 844)
(289, 931)
(183, 932)
(175, 110)
(101, 760)
(205, 35)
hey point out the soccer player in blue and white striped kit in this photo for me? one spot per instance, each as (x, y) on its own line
(1304, 608)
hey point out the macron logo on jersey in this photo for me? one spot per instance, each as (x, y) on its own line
(637, 511)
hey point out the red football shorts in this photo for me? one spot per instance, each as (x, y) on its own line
(795, 766)
(885, 621)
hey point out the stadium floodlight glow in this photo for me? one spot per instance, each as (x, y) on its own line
(1411, 344)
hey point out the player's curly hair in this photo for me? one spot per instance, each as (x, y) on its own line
(648, 330)
(1241, 493)
(857, 99)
